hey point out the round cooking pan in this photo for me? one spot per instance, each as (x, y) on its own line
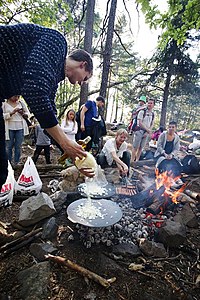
(172, 166)
(111, 213)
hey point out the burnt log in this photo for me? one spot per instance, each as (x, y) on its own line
(159, 205)
(147, 197)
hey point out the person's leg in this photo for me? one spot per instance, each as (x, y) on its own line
(47, 153)
(37, 153)
(136, 144)
(3, 154)
(143, 141)
(10, 144)
(138, 153)
(101, 160)
(126, 158)
(88, 132)
(18, 140)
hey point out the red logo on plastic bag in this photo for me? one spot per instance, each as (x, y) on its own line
(6, 188)
(26, 181)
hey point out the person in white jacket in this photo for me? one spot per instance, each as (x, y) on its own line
(14, 114)
(69, 125)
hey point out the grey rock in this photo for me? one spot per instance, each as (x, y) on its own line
(41, 249)
(187, 217)
(126, 249)
(173, 234)
(59, 198)
(151, 248)
(34, 282)
(35, 209)
(50, 229)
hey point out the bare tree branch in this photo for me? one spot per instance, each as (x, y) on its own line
(132, 55)
(111, 85)
(128, 16)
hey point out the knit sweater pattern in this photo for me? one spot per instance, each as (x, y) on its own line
(32, 61)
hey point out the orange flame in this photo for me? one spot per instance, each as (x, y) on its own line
(167, 180)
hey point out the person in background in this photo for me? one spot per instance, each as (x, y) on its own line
(32, 134)
(69, 125)
(16, 128)
(145, 121)
(168, 143)
(155, 135)
(88, 116)
(43, 142)
(141, 105)
(33, 60)
(115, 152)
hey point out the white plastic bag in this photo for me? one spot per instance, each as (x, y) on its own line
(7, 190)
(29, 182)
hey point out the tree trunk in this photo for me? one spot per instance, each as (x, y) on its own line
(164, 103)
(87, 44)
(117, 104)
(108, 48)
(122, 113)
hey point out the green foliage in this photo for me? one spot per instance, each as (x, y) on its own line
(50, 13)
(181, 17)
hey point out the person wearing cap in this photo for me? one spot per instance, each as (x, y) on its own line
(141, 105)
(145, 121)
(33, 60)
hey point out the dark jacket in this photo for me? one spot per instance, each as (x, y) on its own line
(32, 64)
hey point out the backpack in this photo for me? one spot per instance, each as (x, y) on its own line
(135, 127)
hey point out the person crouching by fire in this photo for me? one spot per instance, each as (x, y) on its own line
(115, 152)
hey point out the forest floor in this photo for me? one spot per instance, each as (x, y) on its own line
(167, 279)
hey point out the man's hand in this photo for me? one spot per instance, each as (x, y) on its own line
(122, 168)
(82, 128)
(87, 172)
(73, 150)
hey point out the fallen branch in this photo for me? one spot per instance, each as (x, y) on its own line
(169, 278)
(138, 171)
(22, 244)
(168, 258)
(19, 240)
(85, 272)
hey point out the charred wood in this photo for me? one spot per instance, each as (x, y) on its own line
(19, 240)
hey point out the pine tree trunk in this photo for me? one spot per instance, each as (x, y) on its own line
(87, 44)
(108, 48)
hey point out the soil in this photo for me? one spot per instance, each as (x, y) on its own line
(162, 278)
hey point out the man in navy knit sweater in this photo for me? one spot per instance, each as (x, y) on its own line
(33, 60)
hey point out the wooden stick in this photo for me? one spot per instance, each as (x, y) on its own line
(22, 244)
(85, 272)
(19, 240)
(138, 171)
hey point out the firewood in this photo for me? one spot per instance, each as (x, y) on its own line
(193, 195)
(138, 171)
(19, 240)
(85, 272)
(22, 244)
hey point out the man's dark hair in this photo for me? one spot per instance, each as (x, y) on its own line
(173, 123)
(100, 98)
(153, 100)
(82, 55)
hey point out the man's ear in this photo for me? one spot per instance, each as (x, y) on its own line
(83, 64)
